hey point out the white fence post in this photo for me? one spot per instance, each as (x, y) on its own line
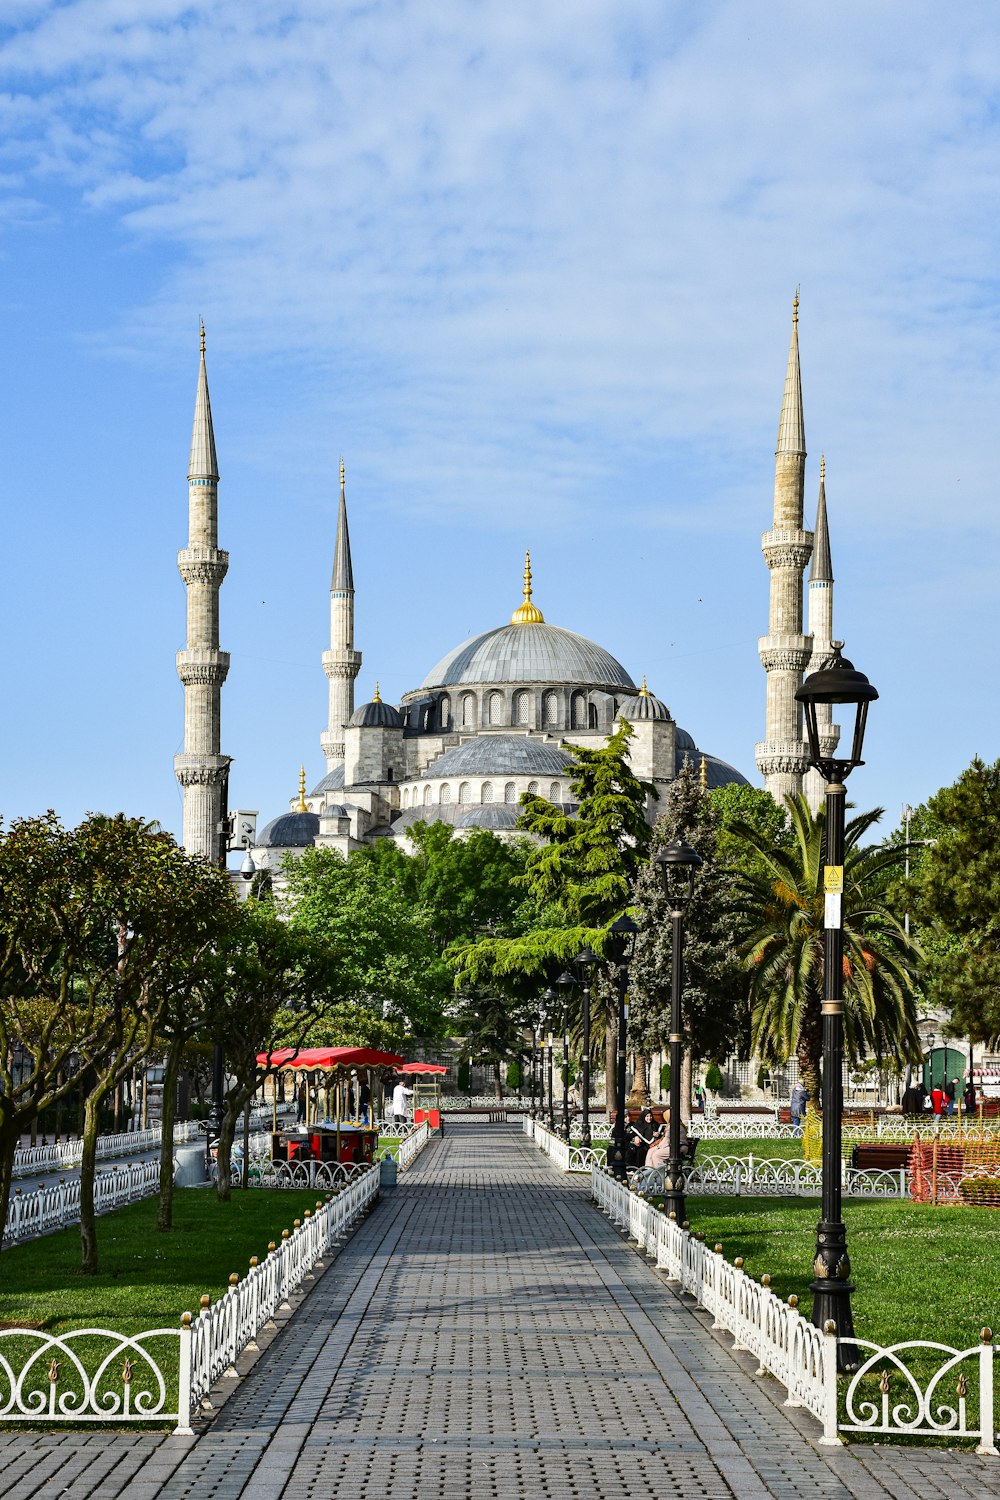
(831, 1437)
(987, 1412)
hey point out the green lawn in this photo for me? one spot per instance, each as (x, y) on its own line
(921, 1272)
(146, 1279)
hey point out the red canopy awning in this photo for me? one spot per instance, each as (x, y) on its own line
(326, 1059)
(422, 1067)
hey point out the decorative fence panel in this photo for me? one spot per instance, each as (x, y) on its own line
(804, 1358)
(56, 1205)
(60, 1154)
(96, 1375)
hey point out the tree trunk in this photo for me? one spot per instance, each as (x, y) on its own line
(171, 1064)
(10, 1138)
(245, 1174)
(227, 1134)
(809, 1050)
(686, 1076)
(610, 1054)
(88, 1172)
(640, 1083)
(496, 1080)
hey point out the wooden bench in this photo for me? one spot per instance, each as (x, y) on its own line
(869, 1156)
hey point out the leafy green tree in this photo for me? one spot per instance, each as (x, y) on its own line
(492, 1032)
(579, 878)
(715, 1010)
(954, 896)
(784, 909)
(389, 959)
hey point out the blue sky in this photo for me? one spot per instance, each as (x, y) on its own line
(529, 267)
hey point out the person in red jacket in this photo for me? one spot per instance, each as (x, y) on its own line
(937, 1098)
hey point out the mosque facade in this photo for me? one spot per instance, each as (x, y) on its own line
(498, 715)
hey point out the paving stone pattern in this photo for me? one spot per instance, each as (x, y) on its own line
(487, 1335)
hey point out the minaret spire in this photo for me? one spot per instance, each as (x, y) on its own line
(784, 651)
(821, 630)
(201, 769)
(341, 663)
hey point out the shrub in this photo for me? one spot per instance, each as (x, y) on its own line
(514, 1075)
(665, 1078)
(981, 1189)
(713, 1078)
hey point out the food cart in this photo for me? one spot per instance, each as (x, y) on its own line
(332, 1133)
(426, 1091)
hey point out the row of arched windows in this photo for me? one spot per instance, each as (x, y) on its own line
(485, 792)
(495, 713)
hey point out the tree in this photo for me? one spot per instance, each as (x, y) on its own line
(954, 896)
(715, 1012)
(579, 878)
(784, 909)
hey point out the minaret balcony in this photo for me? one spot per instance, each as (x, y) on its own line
(202, 667)
(776, 759)
(202, 770)
(344, 665)
(787, 549)
(201, 564)
(784, 653)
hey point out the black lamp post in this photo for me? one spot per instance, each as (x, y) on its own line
(550, 998)
(585, 961)
(534, 1019)
(620, 948)
(837, 681)
(677, 865)
(565, 984)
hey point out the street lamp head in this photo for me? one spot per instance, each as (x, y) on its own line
(620, 945)
(677, 865)
(566, 982)
(837, 681)
(585, 960)
(534, 1018)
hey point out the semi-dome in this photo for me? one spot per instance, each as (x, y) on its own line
(293, 830)
(501, 754)
(376, 715)
(645, 705)
(333, 781)
(529, 652)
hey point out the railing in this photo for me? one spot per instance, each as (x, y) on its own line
(57, 1205)
(753, 1177)
(411, 1145)
(97, 1375)
(566, 1156)
(266, 1172)
(802, 1357)
(59, 1154)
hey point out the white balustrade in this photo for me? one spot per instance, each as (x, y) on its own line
(97, 1375)
(28, 1160)
(567, 1157)
(802, 1357)
(57, 1204)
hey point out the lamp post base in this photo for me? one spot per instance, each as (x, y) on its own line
(832, 1291)
(673, 1192)
(616, 1161)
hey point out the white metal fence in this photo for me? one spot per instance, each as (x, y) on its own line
(93, 1375)
(61, 1154)
(891, 1393)
(55, 1205)
(266, 1172)
(749, 1176)
(570, 1158)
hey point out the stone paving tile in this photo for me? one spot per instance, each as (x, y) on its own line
(487, 1335)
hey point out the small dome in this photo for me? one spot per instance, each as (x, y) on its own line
(376, 715)
(293, 830)
(333, 781)
(643, 706)
(501, 755)
(336, 810)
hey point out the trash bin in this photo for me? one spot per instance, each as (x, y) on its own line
(189, 1166)
(388, 1170)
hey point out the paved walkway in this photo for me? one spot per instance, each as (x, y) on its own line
(486, 1333)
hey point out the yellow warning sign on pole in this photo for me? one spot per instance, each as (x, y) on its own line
(833, 880)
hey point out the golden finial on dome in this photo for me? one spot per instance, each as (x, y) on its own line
(644, 690)
(795, 306)
(822, 468)
(703, 775)
(527, 613)
(342, 479)
(201, 324)
(378, 696)
(301, 804)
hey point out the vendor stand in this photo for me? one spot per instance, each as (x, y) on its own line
(426, 1091)
(322, 1137)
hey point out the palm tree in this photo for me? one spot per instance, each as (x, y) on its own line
(783, 905)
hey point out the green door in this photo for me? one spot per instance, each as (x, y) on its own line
(942, 1065)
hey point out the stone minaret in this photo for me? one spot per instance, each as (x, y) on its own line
(821, 630)
(202, 771)
(341, 663)
(784, 651)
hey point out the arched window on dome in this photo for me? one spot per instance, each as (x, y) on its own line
(445, 793)
(445, 712)
(510, 793)
(532, 788)
(495, 709)
(468, 710)
(552, 709)
(465, 792)
(487, 792)
(554, 792)
(427, 796)
(406, 797)
(592, 715)
(578, 712)
(522, 708)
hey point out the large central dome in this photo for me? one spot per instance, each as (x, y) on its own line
(529, 652)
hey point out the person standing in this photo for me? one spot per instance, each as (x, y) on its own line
(799, 1100)
(969, 1100)
(401, 1096)
(951, 1095)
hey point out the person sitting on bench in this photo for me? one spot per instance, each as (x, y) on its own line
(659, 1153)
